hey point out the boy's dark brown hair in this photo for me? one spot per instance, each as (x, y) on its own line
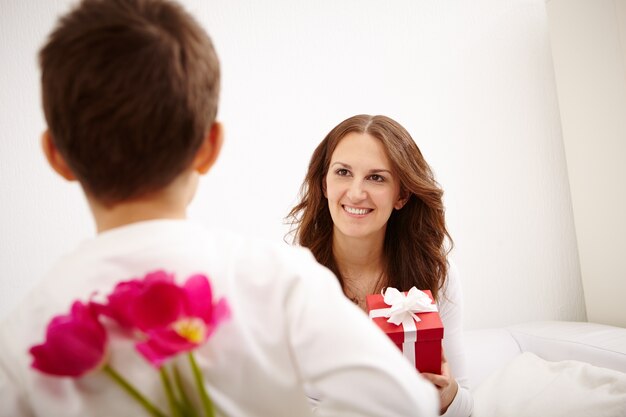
(130, 89)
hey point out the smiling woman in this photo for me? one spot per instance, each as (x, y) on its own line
(370, 197)
(372, 212)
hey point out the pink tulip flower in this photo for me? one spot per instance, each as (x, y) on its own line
(75, 344)
(154, 288)
(173, 319)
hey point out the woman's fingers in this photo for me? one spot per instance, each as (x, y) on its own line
(440, 381)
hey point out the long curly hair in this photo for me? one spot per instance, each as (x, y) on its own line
(416, 239)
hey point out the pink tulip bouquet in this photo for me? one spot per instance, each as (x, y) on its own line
(164, 319)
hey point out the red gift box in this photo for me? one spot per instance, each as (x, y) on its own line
(423, 338)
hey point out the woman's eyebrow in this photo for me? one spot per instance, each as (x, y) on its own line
(371, 171)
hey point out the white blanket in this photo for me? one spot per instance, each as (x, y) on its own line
(531, 387)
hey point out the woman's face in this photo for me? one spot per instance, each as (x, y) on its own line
(361, 189)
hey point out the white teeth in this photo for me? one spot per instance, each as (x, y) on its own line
(353, 210)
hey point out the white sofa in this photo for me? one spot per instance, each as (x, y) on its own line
(597, 344)
(573, 372)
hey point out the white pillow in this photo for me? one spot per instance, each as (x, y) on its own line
(529, 386)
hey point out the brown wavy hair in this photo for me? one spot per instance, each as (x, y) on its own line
(416, 239)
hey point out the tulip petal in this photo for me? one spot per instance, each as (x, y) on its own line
(120, 301)
(159, 305)
(161, 345)
(75, 344)
(221, 312)
(158, 276)
(198, 297)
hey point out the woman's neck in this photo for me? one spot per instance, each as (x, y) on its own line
(361, 264)
(354, 256)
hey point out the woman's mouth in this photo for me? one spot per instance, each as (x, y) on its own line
(357, 211)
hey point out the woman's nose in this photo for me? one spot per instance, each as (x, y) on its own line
(356, 192)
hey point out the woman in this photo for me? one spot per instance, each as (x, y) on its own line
(372, 212)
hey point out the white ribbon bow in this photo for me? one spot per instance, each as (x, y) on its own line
(403, 307)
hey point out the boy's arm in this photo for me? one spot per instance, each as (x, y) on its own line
(13, 404)
(352, 366)
(12, 401)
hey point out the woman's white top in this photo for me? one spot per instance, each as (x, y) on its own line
(451, 312)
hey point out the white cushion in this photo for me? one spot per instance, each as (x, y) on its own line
(597, 344)
(530, 386)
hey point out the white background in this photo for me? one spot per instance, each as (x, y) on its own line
(472, 81)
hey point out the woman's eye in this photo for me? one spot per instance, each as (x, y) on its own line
(377, 178)
(342, 172)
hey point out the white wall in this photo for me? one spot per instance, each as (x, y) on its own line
(589, 47)
(472, 81)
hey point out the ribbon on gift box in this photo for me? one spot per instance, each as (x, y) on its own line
(402, 311)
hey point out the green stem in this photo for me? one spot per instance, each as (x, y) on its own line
(171, 399)
(119, 379)
(204, 395)
(182, 394)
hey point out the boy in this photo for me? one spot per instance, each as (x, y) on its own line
(130, 92)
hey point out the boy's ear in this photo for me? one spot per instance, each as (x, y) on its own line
(210, 149)
(56, 161)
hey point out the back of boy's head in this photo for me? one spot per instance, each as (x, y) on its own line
(130, 90)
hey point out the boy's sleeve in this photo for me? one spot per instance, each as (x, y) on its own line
(12, 398)
(13, 404)
(350, 365)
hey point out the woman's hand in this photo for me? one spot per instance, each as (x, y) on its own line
(445, 383)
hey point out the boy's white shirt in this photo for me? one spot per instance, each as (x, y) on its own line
(291, 327)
